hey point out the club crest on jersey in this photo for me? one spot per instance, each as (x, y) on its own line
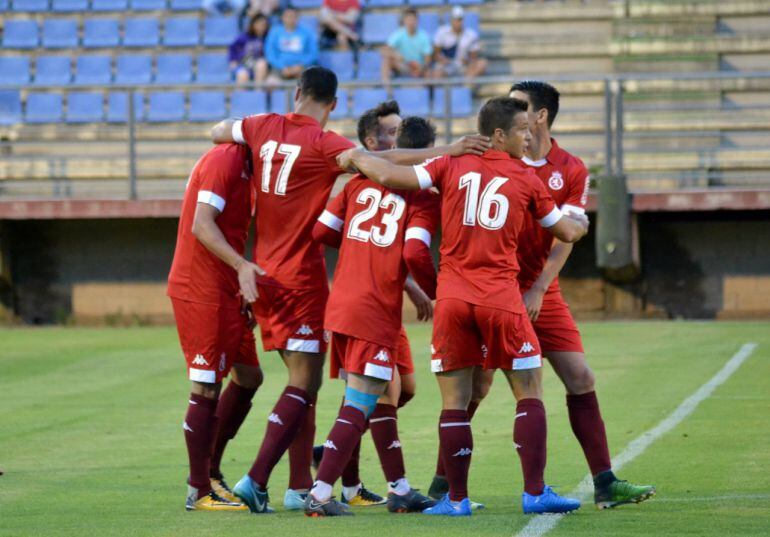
(556, 181)
(382, 356)
(305, 330)
(199, 360)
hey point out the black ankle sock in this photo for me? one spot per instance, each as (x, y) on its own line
(604, 479)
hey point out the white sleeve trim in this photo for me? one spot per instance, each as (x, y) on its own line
(206, 196)
(238, 132)
(423, 177)
(331, 220)
(572, 209)
(551, 218)
(418, 233)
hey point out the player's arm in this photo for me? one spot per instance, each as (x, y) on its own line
(207, 231)
(568, 228)
(420, 299)
(328, 229)
(533, 297)
(419, 261)
(474, 144)
(222, 132)
(383, 171)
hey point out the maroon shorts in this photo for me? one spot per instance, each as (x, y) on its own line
(555, 327)
(466, 335)
(213, 338)
(360, 356)
(292, 319)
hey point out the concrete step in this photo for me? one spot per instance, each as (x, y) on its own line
(667, 8)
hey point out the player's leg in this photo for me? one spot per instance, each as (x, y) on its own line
(361, 396)
(405, 365)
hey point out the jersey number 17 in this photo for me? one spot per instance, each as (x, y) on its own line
(266, 153)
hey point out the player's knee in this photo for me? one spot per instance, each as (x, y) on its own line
(481, 389)
(248, 376)
(582, 382)
(404, 398)
(206, 389)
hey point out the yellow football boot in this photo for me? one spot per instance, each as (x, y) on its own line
(210, 502)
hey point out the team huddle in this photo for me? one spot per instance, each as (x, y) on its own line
(509, 203)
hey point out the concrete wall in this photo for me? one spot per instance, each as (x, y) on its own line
(694, 265)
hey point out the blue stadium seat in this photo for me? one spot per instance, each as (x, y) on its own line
(246, 103)
(279, 101)
(44, 108)
(101, 33)
(464, 2)
(181, 32)
(173, 69)
(341, 62)
(413, 101)
(166, 106)
(148, 5)
(377, 27)
(14, 70)
(384, 3)
(117, 107)
(5, 5)
(306, 4)
(429, 22)
(365, 98)
(213, 69)
(60, 33)
(207, 106)
(53, 71)
(369, 62)
(219, 31)
(310, 22)
(30, 5)
(10, 107)
(85, 107)
(68, 6)
(425, 2)
(461, 102)
(186, 5)
(133, 69)
(140, 32)
(93, 70)
(343, 105)
(20, 34)
(109, 5)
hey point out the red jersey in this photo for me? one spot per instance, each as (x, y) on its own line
(484, 202)
(221, 178)
(295, 168)
(566, 178)
(368, 287)
(341, 6)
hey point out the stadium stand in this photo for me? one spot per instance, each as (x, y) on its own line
(85, 107)
(173, 68)
(101, 33)
(93, 70)
(53, 71)
(244, 103)
(15, 70)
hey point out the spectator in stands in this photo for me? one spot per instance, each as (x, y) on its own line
(265, 7)
(220, 7)
(247, 52)
(290, 48)
(457, 49)
(408, 51)
(339, 20)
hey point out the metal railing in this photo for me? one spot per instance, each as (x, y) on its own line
(606, 128)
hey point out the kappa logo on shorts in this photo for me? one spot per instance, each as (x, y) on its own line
(463, 452)
(305, 330)
(527, 347)
(199, 360)
(222, 362)
(556, 182)
(382, 356)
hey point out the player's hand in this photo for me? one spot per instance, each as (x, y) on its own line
(533, 301)
(345, 160)
(475, 144)
(247, 312)
(247, 279)
(581, 219)
(421, 301)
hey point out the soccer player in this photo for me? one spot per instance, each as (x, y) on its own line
(380, 234)
(294, 171)
(480, 318)
(378, 131)
(206, 276)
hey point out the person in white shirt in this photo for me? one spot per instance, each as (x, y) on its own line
(457, 49)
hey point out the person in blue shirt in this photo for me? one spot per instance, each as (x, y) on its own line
(408, 49)
(290, 48)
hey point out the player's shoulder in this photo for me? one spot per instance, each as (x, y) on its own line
(570, 163)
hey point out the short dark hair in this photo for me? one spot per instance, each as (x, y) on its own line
(408, 11)
(318, 83)
(369, 122)
(415, 133)
(541, 95)
(498, 113)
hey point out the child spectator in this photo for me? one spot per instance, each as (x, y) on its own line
(247, 52)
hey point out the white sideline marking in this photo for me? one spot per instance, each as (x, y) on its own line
(542, 524)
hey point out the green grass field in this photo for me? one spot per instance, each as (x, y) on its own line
(91, 440)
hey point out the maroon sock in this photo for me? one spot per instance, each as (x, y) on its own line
(440, 471)
(588, 426)
(383, 424)
(232, 409)
(529, 437)
(282, 425)
(343, 438)
(301, 453)
(404, 398)
(456, 441)
(199, 429)
(350, 474)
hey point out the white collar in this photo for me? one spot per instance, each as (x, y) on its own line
(534, 163)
